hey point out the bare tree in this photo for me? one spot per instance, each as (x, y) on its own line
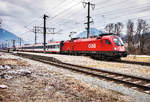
(142, 28)
(147, 45)
(130, 31)
(110, 27)
(114, 28)
(118, 27)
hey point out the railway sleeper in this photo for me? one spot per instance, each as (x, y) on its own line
(147, 84)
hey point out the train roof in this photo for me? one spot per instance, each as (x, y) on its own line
(41, 44)
(106, 34)
(56, 42)
(92, 38)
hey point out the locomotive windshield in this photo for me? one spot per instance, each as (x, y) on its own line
(118, 42)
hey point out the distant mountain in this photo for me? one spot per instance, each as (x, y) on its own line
(123, 35)
(136, 37)
(93, 32)
(6, 36)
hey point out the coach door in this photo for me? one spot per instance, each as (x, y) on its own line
(61, 45)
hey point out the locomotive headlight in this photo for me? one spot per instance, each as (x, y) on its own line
(115, 48)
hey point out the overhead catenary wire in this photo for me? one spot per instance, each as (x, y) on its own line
(66, 20)
(122, 10)
(119, 12)
(68, 17)
(60, 13)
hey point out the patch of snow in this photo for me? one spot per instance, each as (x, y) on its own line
(4, 67)
(3, 86)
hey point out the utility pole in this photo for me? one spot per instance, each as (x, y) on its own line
(35, 31)
(53, 29)
(20, 41)
(88, 17)
(2, 45)
(8, 43)
(44, 32)
(14, 41)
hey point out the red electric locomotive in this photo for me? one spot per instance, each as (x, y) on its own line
(105, 46)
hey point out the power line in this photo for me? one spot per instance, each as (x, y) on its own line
(58, 14)
(133, 17)
(118, 11)
(35, 19)
(120, 4)
(68, 15)
(110, 4)
(123, 3)
(61, 3)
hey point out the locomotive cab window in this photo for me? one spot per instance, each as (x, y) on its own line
(118, 42)
(107, 42)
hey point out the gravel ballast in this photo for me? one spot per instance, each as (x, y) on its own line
(32, 81)
(129, 69)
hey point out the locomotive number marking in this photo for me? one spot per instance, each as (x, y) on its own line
(91, 45)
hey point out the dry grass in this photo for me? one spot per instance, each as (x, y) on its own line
(59, 89)
(8, 61)
(145, 70)
(135, 58)
(105, 65)
(44, 85)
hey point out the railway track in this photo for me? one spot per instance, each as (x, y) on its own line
(119, 61)
(137, 83)
(133, 62)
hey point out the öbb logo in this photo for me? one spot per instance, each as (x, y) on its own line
(91, 45)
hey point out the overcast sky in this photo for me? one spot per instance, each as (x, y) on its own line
(19, 16)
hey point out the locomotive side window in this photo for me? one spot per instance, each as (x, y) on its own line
(107, 42)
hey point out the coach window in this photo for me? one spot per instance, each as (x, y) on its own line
(53, 46)
(107, 42)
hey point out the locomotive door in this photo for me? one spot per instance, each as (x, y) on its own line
(73, 47)
(107, 45)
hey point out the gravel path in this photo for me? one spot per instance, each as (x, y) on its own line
(30, 81)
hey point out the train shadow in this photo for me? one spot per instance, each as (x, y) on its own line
(122, 61)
